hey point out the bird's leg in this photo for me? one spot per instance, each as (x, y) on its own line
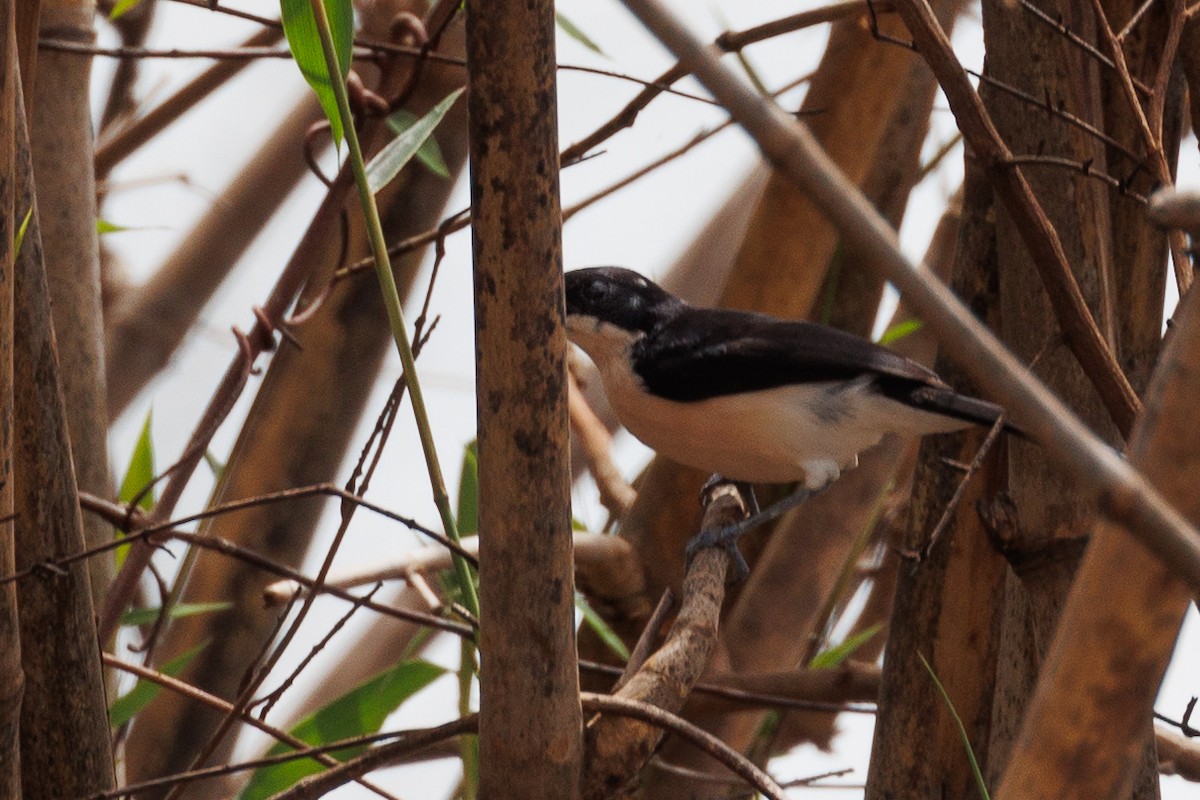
(728, 536)
(745, 488)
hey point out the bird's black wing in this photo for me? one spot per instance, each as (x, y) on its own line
(704, 353)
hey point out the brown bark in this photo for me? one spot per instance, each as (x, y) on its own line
(1139, 248)
(65, 749)
(618, 747)
(1089, 723)
(945, 604)
(296, 434)
(530, 741)
(1047, 513)
(149, 323)
(62, 160)
(11, 677)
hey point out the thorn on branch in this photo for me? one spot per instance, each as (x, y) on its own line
(1185, 724)
(883, 37)
(48, 569)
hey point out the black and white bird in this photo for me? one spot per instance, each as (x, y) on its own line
(748, 396)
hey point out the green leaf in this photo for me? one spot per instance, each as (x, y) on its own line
(20, 237)
(573, 30)
(834, 656)
(140, 472)
(300, 28)
(125, 706)
(962, 731)
(901, 329)
(597, 624)
(468, 490)
(138, 475)
(388, 162)
(104, 226)
(214, 465)
(428, 153)
(145, 616)
(122, 7)
(360, 711)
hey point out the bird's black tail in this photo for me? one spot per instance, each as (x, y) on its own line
(946, 401)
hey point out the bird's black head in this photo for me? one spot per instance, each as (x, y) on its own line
(619, 297)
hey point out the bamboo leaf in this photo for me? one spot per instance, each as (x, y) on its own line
(901, 329)
(388, 162)
(360, 711)
(428, 153)
(145, 616)
(140, 472)
(962, 730)
(124, 707)
(468, 490)
(576, 33)
(300, 28)
(138, 475)
(834, 656)
(19, 239)
(602, 629)
(122, 7)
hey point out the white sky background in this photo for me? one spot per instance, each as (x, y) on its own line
(643, 227)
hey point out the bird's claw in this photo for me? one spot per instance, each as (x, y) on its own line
(726, 538)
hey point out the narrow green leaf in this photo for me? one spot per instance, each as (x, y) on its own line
(468, 490)
(145, 616)
(214, 465)
(743, 59)
(20, 237)
(962, 731)
(122, 7)
(125, 706)
(428, 153)
(360, 711)
(141, 468)
(573, 30)
(300, 28)
(138, 475)
(901, 329)
(834, 656)
(104, 226)
(597, 624)
(388, 162)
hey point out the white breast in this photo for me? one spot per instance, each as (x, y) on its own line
(806, 433)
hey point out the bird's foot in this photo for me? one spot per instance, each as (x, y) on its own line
(745, 488)
(727, 537)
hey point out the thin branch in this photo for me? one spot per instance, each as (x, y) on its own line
(728, 42)
(354, 742)
(131, 519)
(1075, 39)
(387, 754)
(1085, 170)
(1151, 134)
(186, 689)
(615, 492)
(267, 319)
(1045, 105)
(124, 138)
(222, 54)
(232, 550)
(590, 549)
(1062, 289)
